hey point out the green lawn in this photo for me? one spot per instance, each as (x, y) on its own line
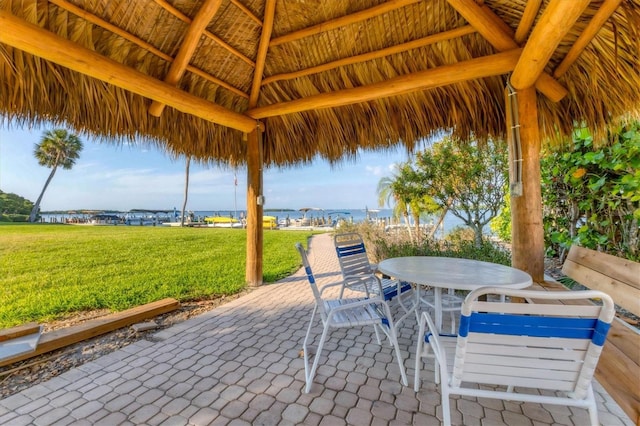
(47, 271)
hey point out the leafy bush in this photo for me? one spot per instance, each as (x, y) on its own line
(14, 208)
(382, 245)
(592, 194)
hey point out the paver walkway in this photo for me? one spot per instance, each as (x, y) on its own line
(240, 364)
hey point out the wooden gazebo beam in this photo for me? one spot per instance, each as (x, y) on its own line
(184, 18)
(32, 39)
(528, 17)
(63, 4)
(487, 66)
(598, 20)
(556, 21)
(392, 50)
(246, 11)
(255, 199)
(342, 21)
(188, 47)
(485, 21)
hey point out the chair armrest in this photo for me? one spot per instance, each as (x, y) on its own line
(326, 286)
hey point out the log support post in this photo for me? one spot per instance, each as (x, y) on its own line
(526, 210)
(255, 202)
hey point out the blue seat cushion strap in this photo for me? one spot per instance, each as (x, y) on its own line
(536, 326)
(392, 291)
(350, 250)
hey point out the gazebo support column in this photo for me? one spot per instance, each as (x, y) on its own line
(526, 210)
(254, 209)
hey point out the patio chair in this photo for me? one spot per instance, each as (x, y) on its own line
(346, 313)
(358, 273)
(450, 303)
(546, 346)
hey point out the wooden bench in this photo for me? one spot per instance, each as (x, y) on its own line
(618, 370)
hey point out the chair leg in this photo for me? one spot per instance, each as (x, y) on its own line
(593, 409)
(403, 374)
(316, 359)
(446, 413)
(305, 349)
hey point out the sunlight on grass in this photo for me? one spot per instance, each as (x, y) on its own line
(47, 271)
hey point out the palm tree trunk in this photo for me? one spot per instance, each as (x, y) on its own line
(406, 221)
(36, 206)
(186, 190)
(441, 218)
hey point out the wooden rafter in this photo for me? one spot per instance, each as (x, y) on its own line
(63, 4)
(500, 63)
(246, 11)
(528, 17)
(263, 47)
(556, 21)
(342, 21)
(175, 12)
(598, 20)
(34, 40)
(425, 41)
(483, 20)
(189, 44)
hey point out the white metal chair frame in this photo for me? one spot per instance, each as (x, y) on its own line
(346, 313)
(450, 302)
(358, 273)
(547, 346)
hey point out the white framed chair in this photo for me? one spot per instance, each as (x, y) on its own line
(500, 346)
(450, 302)
(346, 313)
(358, 273)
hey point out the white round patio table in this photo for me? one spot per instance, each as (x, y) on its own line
(449, 272)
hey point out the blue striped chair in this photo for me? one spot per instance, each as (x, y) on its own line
(345, 313)
(357, 271)
(503, 350)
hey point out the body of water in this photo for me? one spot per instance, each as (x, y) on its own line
(150, 217)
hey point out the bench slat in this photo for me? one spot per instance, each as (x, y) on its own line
(618, 369)
(622, 294)
(619, 269)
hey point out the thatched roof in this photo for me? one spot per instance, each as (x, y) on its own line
(391, 43)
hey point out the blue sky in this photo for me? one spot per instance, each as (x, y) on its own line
(123, 177)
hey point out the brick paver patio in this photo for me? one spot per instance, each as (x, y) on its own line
(240, 364)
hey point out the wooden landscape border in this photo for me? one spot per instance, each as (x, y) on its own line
(68, 336)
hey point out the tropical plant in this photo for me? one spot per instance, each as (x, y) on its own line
(57, 148)
(467, 177)
(391, 191)
(592, 193)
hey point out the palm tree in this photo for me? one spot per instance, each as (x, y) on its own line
(388, 191)
(56, 148)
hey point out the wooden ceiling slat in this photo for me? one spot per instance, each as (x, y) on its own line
(44, 44)
(189, 44)
(487, 66)
(175, 12)
(483, 20)
(596, 23)
(342, 21)
(425, 41)
(556, 21)
(246, 11)
(263, 47)
(63, 4)
(528, 17)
